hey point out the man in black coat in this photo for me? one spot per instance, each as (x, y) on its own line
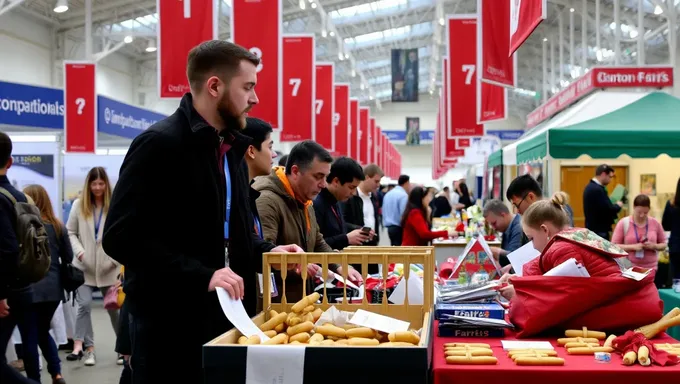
(363, 208)
(598, 209)
(180, 221)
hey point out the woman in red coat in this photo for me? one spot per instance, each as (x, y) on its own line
(414, 223)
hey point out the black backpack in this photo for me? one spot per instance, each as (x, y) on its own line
(34, 248)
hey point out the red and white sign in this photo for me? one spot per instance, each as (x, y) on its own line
(342, 114)
(299, 88)
(602, 77)
(492, 102)
(525, 16)
(447, 141)
(80, 107)
(353, 145)
(383, 148)
(463, 143)
(493, 44)
(462, 81)
(182, 25)
(323, 107)
(364, 124)
(257, 26)
(377, 144)
(370, 151)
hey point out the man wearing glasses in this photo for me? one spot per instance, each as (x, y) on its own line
(524, 191)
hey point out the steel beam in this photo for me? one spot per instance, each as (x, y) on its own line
(10, 6)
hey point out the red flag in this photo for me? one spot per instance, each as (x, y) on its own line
(80, 107)
(342, 113)
(493, 44)
(364, 124)
(299, 76)
(324, 106)
(525, 16)
(353, 146)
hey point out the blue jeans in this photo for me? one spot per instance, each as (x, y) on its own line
(22, 314)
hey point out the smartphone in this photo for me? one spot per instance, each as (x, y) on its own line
(366, 230)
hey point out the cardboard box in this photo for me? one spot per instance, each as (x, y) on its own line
(469, 332)
(225, 361)
(489, 311)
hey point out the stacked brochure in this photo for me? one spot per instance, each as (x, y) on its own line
(481, 293)
(469, 326)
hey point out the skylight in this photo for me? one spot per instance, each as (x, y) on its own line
(366, 8)
(149, 21)
(388, 35)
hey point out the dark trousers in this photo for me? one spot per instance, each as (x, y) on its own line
(395, 232)
(22, 314)
(44, 313)
(675, 264)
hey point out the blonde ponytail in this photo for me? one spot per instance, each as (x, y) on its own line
(550, 210)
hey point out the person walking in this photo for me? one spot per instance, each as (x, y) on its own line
(598, 209)
(394, 204)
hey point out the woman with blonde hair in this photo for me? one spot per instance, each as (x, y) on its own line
(85, 228)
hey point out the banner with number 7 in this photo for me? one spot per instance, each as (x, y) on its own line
(299, 88)
(324, 106)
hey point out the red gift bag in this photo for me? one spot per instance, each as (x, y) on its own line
(608, 304)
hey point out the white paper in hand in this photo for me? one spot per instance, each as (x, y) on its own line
(521, 256)
(285, 364)
(237, 315)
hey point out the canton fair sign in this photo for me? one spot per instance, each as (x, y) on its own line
(610, 77)
(120, 119)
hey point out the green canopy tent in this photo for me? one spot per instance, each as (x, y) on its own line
(645, 128)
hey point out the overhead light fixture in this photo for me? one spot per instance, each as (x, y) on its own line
(341, 56)
(658, 10)
(332, 33)
(571, 10)
(346, 55)
(302, 4)
(128, 39)
(313, 5)
(324, 33)
(354, 73)
(545, 39)
(61, 6)
(633, 33)
(362, 86)
(151, 46)
(442, 21)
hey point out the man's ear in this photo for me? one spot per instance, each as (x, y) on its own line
(9, 162)
(251, 152)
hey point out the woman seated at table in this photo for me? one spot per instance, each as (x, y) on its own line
(415, 223)
(547, 224)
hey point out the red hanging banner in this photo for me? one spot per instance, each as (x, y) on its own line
(182, 25)
(342, 113)
(364, 124)
(462, 81)
(370, 151)
(463, 143)
(525, 16)
(493, 44)
(353, 145)
(298, 88)
(323, 106)
(492, 102)
(80, 107)
(264, 39)
(377, 142)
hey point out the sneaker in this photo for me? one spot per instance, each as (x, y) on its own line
(120, 360)
(90, 360)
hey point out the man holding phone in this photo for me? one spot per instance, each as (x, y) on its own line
(343, 180)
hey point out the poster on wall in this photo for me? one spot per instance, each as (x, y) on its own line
(413, 131)
(405, 75)
(36, 163)
(76, 168)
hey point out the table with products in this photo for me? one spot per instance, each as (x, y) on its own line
(577, 369)
(671, 299)
(445, 249)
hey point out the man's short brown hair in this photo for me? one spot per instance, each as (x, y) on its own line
(216, 58)
(372, 170)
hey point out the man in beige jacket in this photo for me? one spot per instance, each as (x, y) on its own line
(286, 211)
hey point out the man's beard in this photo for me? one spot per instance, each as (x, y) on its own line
(231, 121)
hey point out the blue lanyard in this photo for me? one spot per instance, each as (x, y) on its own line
(97, 224)
(635, 227)
(258, 224)
(227, 176)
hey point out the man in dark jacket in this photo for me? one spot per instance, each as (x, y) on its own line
(363, 209)
(16, 295)
(598, 209)
(345, 176)
(180, 218)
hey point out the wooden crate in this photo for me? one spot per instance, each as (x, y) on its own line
(225, 361)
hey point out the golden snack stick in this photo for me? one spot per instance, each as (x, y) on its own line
(316, 337)
(314, 343)
(272, 313)
(274, 321)
(671, 319)
(667, 345)
(577, 345)
(349, 326)
(307, 300)
(474, 360)
(308, 309)
(643, 355)
(585, 333)
(466, 349)
(331, 330)
(609, 341)
(270, 334)
(467, 344)
(471, 352)
(242, 340)
(363, 341)
(342, 342)
(303, 327)
(526, 360)
(281, 338)
(588, 350)
(532, 352)
(366, 333)
(253, 340)
(566, 340)
(293, 319)
(294, 342)
(301, 337)
(406, 336)
(317, 314)
(629, 358)
(396, 344)
(328, 342)
(280, 328)
(308, 317)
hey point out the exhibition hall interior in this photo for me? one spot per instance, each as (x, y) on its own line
(278, 191)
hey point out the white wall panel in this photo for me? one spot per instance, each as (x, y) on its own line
(24, 51)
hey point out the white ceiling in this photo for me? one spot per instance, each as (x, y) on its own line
(358, 36)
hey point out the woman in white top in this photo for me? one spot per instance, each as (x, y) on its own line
(85, 228)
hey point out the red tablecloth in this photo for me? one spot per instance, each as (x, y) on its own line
(576, 369)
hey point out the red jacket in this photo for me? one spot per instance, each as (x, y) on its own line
(417, 231)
